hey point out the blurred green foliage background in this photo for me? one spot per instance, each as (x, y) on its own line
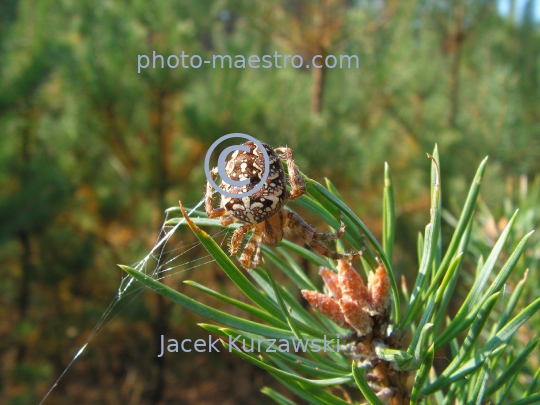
(92, 152)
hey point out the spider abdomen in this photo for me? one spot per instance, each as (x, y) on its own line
(265, 202)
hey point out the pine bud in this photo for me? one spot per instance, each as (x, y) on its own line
(379, 289)
(356, 316)
(326, 306)
(331, 281)
(352, 286)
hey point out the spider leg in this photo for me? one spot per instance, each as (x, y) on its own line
(251, 255)
(227, 220)
(298, 186)
(210, 211)
(331, 235)
(313, 234)
(312, 238)
(238, 237)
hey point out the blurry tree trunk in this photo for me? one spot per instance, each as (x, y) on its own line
(319, 76)
(26, 249)
(454, 86)
(512, 13)
(24, 287)
(456, 45)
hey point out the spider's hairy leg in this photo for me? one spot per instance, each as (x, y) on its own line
(238, 237)
(251, 255)
(298, 186)
(312, 234)
(328, 235)
(308, 235)
(210, 211)
(226, 220)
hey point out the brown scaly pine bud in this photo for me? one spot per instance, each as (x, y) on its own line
(331, 281)
(356, 302)
(379, 289)
(352, 305)
(352, 285)
(356, 315)
(326, 306)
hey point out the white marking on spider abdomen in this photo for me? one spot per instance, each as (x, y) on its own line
(247, 202)
(274, 200)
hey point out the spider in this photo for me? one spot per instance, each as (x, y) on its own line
(263, 211)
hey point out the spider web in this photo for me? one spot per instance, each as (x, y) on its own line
(161, 262)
